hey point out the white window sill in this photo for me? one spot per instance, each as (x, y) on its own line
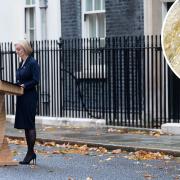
(94, 12)
(30, 6)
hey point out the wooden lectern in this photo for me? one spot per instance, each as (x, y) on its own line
(6, 157)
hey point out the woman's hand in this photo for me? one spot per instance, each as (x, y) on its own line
(22, 85)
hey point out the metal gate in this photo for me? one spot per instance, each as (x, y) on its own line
(124, 80)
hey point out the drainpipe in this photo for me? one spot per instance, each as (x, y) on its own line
(43, 4)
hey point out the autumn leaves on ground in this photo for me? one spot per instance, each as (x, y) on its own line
(95, 151)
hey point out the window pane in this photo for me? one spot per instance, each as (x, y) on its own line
(101, 27)
(92, 26)
(26, 20)
(31, 17)
(31, 35)
(103, 5)
(89, 5)
(33, 1)
(28, 2)
(97, 4)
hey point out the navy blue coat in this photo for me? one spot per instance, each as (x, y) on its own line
(27, 103)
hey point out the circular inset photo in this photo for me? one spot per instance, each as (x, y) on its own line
(171, 37)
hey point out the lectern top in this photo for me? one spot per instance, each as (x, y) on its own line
(10, 88)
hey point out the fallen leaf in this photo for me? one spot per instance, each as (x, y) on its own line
(117, 151)
(58, 145)
(111, 130)
(89, 178)
(76, 146)
(148, 176)
(70, 178)
(43, 152)
(56, 152)
(144, 155)
(92, 149)
(16, 141)
(49, 129)
(32, 166)
(108, 159)
(177, 177)
(49, 143)
(83, 148)
(14, 152)
(102, 150)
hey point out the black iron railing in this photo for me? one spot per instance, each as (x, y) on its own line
(124, 80)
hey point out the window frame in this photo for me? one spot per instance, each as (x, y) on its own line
(85, 24)
(27, 27)
(92, 71)
(93, 7)
(31, 4)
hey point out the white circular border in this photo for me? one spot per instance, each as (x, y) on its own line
(162, 38)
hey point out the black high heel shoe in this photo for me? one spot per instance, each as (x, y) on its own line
(29, 159)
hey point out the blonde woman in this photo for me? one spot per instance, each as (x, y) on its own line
(27, 76)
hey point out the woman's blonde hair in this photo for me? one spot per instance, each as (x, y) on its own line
(26, 46)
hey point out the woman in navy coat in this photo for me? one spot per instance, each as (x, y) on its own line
(27, 76)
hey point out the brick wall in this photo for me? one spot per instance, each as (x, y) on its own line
(124, 17)
(71, 18)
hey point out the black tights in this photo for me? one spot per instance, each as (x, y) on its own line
(30, 139)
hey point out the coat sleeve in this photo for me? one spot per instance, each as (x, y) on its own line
(35, 76)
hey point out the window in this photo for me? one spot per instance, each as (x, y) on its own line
(30, 2)
(30, 20)
(94, 18)
(92, 5)
(93, 26)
